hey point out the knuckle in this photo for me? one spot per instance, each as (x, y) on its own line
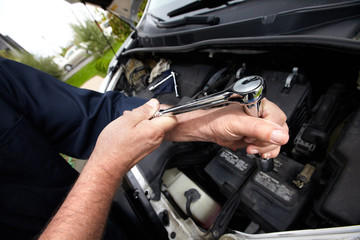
(141, 110)
(256, 128)
(275, 153)
(126, 112)
(283, 117)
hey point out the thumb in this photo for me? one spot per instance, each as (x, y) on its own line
(264, 130)
(146, 111)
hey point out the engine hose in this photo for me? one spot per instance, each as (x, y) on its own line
(192, 195)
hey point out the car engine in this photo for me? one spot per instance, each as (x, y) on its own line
(314, 182)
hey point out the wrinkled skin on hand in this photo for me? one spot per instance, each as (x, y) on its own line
(129, 138)
(231, 127)
(260, 135)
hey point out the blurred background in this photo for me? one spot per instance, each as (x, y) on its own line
(72, 42)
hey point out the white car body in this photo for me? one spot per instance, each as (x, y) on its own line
(73, 57)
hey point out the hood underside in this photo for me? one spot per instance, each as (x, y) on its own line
(125, 9)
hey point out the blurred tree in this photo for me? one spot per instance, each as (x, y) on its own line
(121, 29)
(90, 34)
(45, 64)
(6, 54)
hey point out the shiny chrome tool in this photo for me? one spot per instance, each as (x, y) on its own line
(247, 91)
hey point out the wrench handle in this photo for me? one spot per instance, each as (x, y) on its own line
(255, 110)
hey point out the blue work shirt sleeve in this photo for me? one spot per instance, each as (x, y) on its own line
(69, 118)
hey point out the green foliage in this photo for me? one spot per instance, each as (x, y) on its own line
(44, 64)
(6, 54)
(90, 70)
(84, 74)
(90, 34)
(102, 64)
(121, 29)
(142, 8)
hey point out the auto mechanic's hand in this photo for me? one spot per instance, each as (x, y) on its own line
(231, 127)
(278, 137)
(120, 145)
(131, 137)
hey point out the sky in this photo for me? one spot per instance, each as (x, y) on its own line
(41, 27)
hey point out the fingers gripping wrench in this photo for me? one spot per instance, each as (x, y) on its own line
(247, 91)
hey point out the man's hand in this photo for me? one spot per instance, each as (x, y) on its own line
(131, 137)
(123, 143)
(231, 127)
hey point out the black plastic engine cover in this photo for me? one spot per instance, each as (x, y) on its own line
(294, 98)
(271, 199)
(341, 199)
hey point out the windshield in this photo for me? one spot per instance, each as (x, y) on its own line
(161, 3)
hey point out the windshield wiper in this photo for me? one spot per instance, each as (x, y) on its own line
(189, 20)
(199, 4)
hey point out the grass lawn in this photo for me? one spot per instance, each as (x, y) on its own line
(89, 70)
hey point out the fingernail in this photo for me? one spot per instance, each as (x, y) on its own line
(254, 151)
(266, 155)
(277, 136)
(153, 103)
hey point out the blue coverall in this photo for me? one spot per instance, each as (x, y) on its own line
(40, 118)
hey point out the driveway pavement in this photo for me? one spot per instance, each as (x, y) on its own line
(93, 83)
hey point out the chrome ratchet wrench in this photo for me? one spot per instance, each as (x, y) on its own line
(247, 91)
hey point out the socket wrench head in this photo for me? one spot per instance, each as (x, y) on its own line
(251, 89)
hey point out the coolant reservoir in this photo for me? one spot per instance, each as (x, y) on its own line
(191, 198)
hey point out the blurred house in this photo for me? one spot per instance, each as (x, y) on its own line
(8, 45)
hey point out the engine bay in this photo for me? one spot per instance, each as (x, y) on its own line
(314, 183)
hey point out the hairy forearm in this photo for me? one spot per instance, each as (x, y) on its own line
(84, 213)
(120, 145)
